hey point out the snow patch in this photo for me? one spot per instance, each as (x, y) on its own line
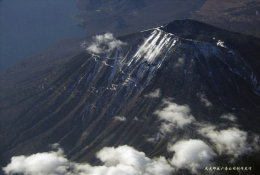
(154, 44)
(221, 44)
(155, 94)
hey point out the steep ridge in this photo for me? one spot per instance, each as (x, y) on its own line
(110, 95)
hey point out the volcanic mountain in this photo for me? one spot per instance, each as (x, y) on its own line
(157, 91)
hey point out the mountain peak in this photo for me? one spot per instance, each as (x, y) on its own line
(121, 90)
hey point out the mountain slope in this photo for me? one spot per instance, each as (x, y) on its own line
(122, 90)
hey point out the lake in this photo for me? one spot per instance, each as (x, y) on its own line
(28, 27)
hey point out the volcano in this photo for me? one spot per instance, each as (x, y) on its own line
(154, 90)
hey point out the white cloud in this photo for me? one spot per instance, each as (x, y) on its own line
(131, 158)
(229, 117)
(104, 43)
(204, 100)
(120, 118)
(155, 94)
(174, 116)
(123, 160)
(39, 164)
(230, 141)
(191, 154)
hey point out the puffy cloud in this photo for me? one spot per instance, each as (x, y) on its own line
(191, 154)
(229, 117)
(204, 100)
(231, 141)
(174, 116)
(155, 94)
(104, 43)
(123, 160)
(39, 164)
(133, 161)
(120, 118)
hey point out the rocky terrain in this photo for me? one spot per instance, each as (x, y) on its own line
(127, 16)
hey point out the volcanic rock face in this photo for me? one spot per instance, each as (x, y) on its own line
(148, 90)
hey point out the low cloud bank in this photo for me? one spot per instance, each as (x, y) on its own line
(194, 154)
(123, 160)
(104, 44)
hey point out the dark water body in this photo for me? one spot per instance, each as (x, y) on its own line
(28, 27)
